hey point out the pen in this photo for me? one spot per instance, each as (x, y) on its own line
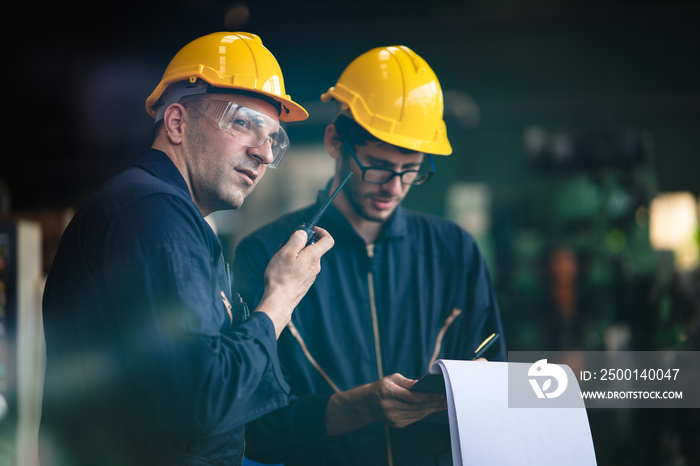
(485, 345)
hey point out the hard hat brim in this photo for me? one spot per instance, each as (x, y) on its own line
(439, 145)
(290, 110)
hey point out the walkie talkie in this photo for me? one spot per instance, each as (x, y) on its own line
(308, 227)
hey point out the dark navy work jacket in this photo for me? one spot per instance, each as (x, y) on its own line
(145, 361)
(421, 291)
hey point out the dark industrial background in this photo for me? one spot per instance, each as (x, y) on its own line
(572, 114)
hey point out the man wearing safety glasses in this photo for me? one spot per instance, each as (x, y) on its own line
(399, 289)
(152, 358)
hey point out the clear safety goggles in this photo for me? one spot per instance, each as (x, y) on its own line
(250, 127)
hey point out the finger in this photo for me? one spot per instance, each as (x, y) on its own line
(401, 381)
(430, 400)
(324, 241)
(402, 414)
(399, 389)
(296, 241)
(408, 410)
(424, 398)
(402, 391)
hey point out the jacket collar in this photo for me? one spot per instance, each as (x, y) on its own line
(394, 227)
(159, 165)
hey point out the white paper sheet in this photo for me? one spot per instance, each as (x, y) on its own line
(485, 431)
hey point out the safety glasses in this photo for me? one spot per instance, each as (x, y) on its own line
(250, 127)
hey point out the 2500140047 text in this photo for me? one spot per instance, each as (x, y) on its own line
(636, 374)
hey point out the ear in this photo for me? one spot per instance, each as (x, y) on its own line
(173, 123)
(332, 141)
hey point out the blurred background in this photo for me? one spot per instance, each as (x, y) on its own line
(576, 164)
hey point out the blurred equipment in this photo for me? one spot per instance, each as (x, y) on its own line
(21, 341)
(593, 222)
(673, 226)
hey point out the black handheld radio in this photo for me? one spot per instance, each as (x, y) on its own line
(308, 227)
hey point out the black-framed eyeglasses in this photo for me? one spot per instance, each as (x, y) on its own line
(384, 175)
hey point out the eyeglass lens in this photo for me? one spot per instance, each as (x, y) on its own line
(383, 175)
(250, 127)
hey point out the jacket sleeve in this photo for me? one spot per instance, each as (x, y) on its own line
(195, 373)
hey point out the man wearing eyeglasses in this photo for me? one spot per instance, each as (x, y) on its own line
(152, 358)
(399, 289)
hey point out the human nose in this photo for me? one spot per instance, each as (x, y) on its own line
(393, 185)
(262, 152)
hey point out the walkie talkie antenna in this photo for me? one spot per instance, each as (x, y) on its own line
(309, 226)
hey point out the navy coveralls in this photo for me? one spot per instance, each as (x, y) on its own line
(145, 361)
(421, 291)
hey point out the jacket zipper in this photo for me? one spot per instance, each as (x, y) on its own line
(377, 346)
(373, 310)
(375, 327)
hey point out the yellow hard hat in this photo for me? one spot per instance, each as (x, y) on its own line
(394, 94)
(230, 60)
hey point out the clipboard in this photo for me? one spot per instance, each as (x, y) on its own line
(432, 382)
